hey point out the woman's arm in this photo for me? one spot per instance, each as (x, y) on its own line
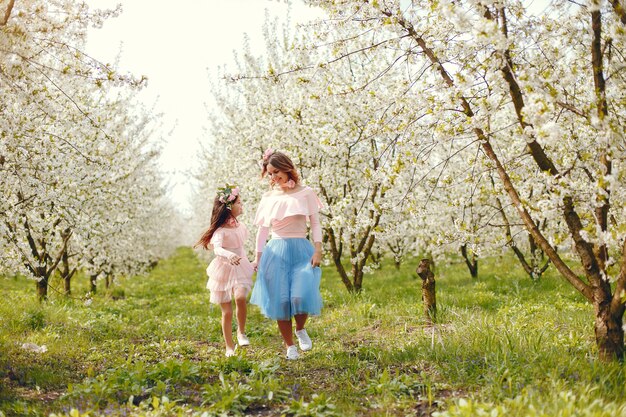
(316, 232)
(261, 239)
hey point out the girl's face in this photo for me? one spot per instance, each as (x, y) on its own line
(277, 177)
(237, 208)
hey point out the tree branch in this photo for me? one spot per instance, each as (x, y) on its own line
(536, 150)
(619, 10)
(603, 201)
(66, 237)
(584, 249)
(510, 239)
(7, 13)
(532, 228)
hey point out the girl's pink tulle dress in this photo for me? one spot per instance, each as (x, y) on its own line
(224, 277)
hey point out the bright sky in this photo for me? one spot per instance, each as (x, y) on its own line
(177, 44)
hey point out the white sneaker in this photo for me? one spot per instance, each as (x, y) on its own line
(242, 339)
(230, 352)
(304, 340)
(292, 353)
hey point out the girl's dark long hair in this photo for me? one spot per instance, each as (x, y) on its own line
(219, 216)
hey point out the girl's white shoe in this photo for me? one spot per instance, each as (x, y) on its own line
(292, 353)
(242, 339)
(304, 340)
(230, 352)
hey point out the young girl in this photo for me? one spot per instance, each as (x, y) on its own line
(230, 272)
(288, 273)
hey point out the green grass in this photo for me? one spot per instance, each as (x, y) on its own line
(502, 346)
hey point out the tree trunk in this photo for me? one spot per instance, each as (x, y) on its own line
(609, 308)
(357, 273)
(67, 288)
(336, 249)
(360, 247)
(609, 332)
(472, 264)
(398, 250)
(65, 274)
(429, 298)
(92, 282)
(42, 289)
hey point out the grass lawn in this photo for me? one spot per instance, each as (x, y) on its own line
(152, 346)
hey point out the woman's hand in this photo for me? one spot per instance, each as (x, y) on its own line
(316, 259)
(257, 261)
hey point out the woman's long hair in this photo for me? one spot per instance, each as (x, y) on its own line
(283, 163)
(219, 216)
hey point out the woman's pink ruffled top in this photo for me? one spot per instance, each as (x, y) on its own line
(226, 242)
(274, 206)
(286, 214)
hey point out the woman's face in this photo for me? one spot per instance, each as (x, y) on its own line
(237, 208)
(277, 177)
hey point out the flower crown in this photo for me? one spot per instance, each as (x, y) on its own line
(228, 194)
(266, 155)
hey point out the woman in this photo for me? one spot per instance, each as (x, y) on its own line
(288, 273)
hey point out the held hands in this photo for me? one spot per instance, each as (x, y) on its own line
(234, 259)
(257, 261)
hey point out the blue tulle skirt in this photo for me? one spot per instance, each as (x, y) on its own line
(286, 283)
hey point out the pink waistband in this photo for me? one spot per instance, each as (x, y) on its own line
(287, 235)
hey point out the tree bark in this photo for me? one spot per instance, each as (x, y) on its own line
(533, 269)
(619, 10)
(336, 255)
(429, 296)
(65, 271)
(7, 13)
(603, 202)
(93, 279)
(398, 249)
(43, 273)
(42, 289)
(472, 264)
(67, 286)
(608, 327)
(609, 315)
(361, 249)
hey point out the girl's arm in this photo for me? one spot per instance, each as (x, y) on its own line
(217, 242)
(316, 231)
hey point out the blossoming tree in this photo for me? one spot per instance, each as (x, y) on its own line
(72, 158)
(543, 99)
